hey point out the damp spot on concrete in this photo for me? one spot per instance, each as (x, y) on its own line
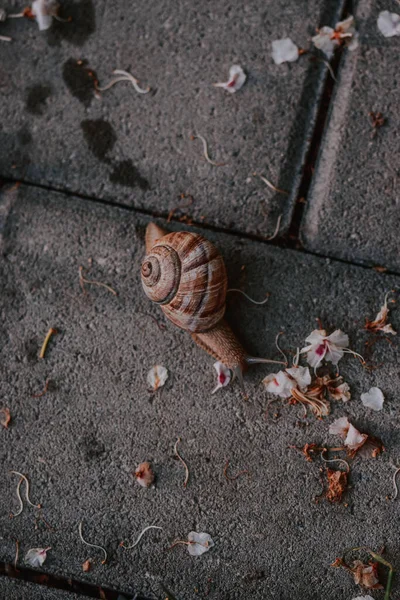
(81, 26)
(92, 448)
(125, 173)
(24, 136)
(36, 97)
(80, 80)
(100, 137)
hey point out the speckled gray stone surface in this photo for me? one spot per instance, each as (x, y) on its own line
(135, 149)
(13, 589)
(353, 209)
(80, 442)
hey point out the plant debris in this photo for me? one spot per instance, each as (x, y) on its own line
(396, 490)
(223, 376)
(380, 322)
(328, 39)
(21, 504)
(237, 78)
(353, 439)
(87, 565)
(388, 23)
(329, 348)
(258, 302)
(377, 121)
(366, 575)
(103, 562)
(337, 484)
(373, 399)
(271, 185)
(122, 544)
(229, 478)
(35, 557)
(144, 474)
(180, 206)
(5, 417)
(156, 377)
(182, 461)
(51, 332)
(83, 280)
(284, 51)
(205, 150)
(42, 393)
(123, 76)
(25, 479)
(197, 544)
(278, 226)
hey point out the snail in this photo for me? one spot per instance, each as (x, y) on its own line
(185, 274)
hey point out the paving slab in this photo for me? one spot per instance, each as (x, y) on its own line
(136, 149)
(14, 589)
(353, 206)
(81, 440)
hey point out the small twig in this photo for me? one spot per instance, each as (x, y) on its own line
(335, 460)
(182, 461)
(103, 562)
(51, 332)
(177, 542)
(16, 554)
(82, 280)
(271, 185)
(228, 477)
(260, 302)
(139, 538)
(396, 491)
(27, 489)
(21, 504)
(279, 348)
(278, 225)
(205, 151)
(125, 77)
(46, 387)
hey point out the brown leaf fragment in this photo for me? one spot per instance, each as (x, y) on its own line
(5, 417)
(366, 575)
(308, 451)
(144, 474)
(87, 565)
(337, 484)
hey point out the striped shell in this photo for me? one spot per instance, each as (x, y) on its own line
(186, 275)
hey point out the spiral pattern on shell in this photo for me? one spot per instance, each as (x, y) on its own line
(186, 275)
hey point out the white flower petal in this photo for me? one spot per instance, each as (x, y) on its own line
(388, 23)
(223, 376)
(333, 354)
(284, 51)
(354, 438)
(339, 427)
(237, 78)
(353, 45)
(339, 338)
(199, 543)
(367, 597)
(301, 375)
(279, 383)
(342, 392)
(44, 10)
(373, 398)
(36, 556)
(323, 41)
(346, 25)
(316, 337)
(389, 329)
(157, 376)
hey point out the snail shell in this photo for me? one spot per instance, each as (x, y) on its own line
(186, 275)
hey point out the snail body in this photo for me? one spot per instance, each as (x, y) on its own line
(185, 274)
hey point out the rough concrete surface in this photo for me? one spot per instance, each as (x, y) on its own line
(13, 589)
(353, 206)
(80, 442)
(135, 149)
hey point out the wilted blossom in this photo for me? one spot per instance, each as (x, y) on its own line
(223, 376)
(354, 440)
(156, 377)
(380, 322)
(326, 347)
(199, 543)
(366, 575)
(44, 11)
(237, 78)
(36, 556)
(373, 398)
(284, 51)
(337, 484)
(388, 23)
(144, 474)
(283, 382)
(328, 39)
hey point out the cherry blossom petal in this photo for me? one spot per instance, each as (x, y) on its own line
(388, 23)
(340, 427)
(36, 556)
(280, 384)
(284, 51)
(338, 338)
(323, 41)
(237, 78)
(373, 398)
(223, 376)
(354, 438)
(301, 375)
(199, 543)
(157, 376)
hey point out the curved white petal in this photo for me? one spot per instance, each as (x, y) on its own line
(339, 338)
(284, 51)
(389, 23)
(340, 427)
(373, 398)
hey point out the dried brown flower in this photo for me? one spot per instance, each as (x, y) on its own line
(5, 417)
(144, 474)
(337, 484)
